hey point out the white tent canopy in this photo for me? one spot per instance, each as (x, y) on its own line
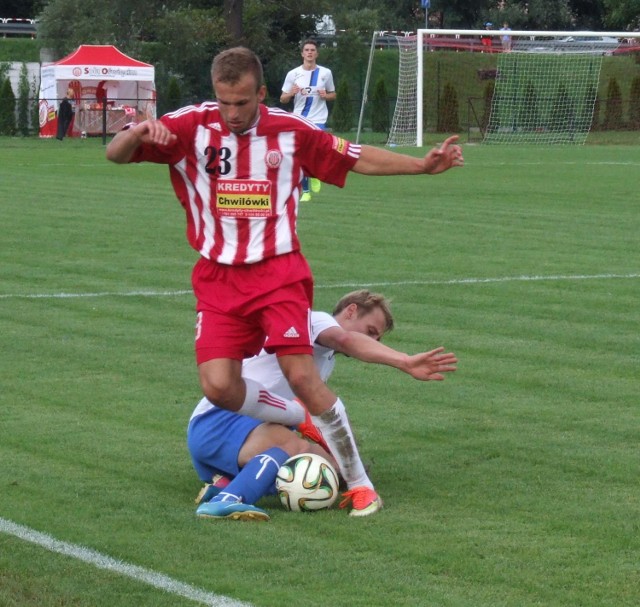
(97, 75)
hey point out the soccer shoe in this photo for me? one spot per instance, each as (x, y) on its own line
(365, 501)
(309, 430)
(235, 511)
(306, 197)
(315, 184)
(210, 490)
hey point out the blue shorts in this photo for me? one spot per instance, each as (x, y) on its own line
(214, 440)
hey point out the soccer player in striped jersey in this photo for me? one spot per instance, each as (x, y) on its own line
(310, 86)
(236, 167)
(225, 445)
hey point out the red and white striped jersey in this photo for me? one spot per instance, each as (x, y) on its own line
(240, 192)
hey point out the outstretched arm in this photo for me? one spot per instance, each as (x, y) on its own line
(424, 366)
(378, 161)
(124, 144)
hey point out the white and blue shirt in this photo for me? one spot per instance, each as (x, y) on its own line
(307, 102)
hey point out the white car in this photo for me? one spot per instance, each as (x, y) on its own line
(583, 44)
(590, 41)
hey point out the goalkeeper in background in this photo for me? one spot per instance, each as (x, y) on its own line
(224, 445)
(310, 86)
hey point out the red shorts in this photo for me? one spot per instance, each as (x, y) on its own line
(242, 309)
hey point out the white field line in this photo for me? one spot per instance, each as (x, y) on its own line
(101, 561)
(344, 285)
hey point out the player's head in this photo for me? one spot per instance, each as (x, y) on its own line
(309, 50)
(230, 66)
(237, 79)
(365, 312)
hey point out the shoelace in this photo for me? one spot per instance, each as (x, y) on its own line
(360, 496)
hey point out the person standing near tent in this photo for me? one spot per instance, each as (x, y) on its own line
(310, 86)
(65, 115)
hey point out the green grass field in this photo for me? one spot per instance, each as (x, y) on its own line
(513, 483)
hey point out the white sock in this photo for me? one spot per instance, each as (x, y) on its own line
(335, 428)
(260, 403)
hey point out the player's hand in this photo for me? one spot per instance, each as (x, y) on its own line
(154, 132)
(429, 366)
(442, 158)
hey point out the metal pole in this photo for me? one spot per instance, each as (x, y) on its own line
(104, 121)
(419, 93)
(366, 86)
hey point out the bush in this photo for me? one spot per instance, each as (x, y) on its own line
(380, 108)
(174, 94)
(35, 107)
(634, 104)
(489, 90)
(528, 109)
(562, 113)
(24, 93)
(448, 111)
(613, 120)
(342, 115)
(7, 108)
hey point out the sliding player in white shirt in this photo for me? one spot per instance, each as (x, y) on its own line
(226, 445)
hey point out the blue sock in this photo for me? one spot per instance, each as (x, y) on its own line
(256, 479)
(305, 184)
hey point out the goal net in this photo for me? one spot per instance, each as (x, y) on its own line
(404, 123)
(544, 96)
(513, 87)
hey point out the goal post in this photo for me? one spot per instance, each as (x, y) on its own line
(510, 86)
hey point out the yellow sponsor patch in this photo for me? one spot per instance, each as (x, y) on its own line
(243, 198)
(340, 145)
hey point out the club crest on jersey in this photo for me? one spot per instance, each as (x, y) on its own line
(273, 158)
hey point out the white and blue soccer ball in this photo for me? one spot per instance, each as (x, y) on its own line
(307, 482)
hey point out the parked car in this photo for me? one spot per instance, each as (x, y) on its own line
(583, 44)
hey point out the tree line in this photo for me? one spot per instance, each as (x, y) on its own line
(182, 36)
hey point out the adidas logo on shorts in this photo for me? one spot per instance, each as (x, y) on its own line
(291, 332)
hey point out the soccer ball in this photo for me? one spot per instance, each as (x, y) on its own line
(307, 482)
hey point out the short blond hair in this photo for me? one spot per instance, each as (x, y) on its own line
(366, 302)
(231, 65)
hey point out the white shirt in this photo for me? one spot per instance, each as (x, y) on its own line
(264, 367)
(307, 102)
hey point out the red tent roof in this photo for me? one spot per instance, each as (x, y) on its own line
(100, 54)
